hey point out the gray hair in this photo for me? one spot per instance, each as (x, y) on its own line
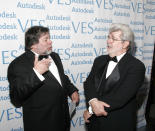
(127, 33)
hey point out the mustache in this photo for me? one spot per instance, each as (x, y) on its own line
(114, 50)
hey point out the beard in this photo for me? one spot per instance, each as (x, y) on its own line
(114, 51)
(48, 52)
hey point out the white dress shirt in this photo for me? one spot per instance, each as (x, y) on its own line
(113, 64)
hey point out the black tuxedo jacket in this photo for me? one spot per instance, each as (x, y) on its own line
(119, 91)
(45, 106)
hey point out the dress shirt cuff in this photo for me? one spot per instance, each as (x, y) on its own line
(92, 100)
(39, 76)
(90, 108)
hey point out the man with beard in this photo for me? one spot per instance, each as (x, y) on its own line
(113, 83)
(38, 84)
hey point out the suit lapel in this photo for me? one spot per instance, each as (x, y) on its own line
(101, 68)
(117, 73)
(100, 74)
(123, 64)
(112, 79)
(58, 64)
(109, 83)
(119, 69)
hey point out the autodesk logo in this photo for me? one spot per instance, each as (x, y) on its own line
(151, 2)
(50, 1)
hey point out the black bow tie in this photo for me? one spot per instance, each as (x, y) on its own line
(42, 57)
(113, 59)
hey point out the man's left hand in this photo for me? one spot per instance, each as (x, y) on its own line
(86, 116)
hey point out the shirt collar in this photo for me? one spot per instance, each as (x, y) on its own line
(120, 56)
(35, 53)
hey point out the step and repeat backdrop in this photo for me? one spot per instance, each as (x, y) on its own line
(79, 30)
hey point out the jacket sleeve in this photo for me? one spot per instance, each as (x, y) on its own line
(89, 84)
(69, 86)
(23, 82)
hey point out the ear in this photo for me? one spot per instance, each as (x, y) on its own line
(126, 44)
(34, 46)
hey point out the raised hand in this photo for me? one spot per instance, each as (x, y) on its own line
(41, 66)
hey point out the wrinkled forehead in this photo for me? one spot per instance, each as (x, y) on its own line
(116, 34)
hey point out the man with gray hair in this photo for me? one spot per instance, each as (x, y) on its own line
(113, 83)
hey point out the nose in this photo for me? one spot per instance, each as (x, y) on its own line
(109, 40)
(50, 42)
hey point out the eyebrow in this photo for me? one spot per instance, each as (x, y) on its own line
(112, 36)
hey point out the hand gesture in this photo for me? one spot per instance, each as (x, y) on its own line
(86, 115)
(42, 66)
(98, 107)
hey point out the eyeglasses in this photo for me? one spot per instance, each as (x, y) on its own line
(113, 39)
